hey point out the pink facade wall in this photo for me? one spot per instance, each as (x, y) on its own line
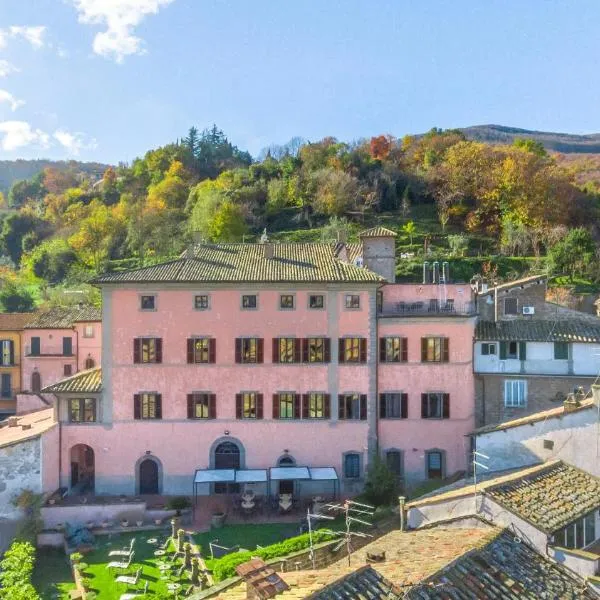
(88, 347)
(50, 441)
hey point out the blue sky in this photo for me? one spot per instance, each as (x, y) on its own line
(109, 79)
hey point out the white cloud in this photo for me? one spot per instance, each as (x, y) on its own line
(16, 134)
(6, 68)
(120, 17)
(73, 142)
(34, 34)
(10, 99)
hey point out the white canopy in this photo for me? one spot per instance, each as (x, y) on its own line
(278, 473)
(215, 476)
(323, 473)
(251, 476)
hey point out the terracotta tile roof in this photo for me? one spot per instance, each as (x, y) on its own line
(89, 381)
(522, 330)
(365, 582)
(64, 317)
(552, 413)
(15, 321)
(28, 426)
(377, 232)
(550, 498)
(532, 279)
(246, 263)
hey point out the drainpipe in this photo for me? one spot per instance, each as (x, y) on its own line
(402, 501)
(496, 304)
(77, 350)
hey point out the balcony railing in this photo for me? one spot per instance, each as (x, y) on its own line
(431, 308)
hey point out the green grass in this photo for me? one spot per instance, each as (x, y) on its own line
(52, 577)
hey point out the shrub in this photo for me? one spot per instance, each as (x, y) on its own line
(76, 557)
(381, 487)
(179, 503)
(15, 572)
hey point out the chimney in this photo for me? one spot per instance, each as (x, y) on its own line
(573, 401)
(262, 582)
(436, 272)
(426, 273)
(189, 251)
(269, 248)
(13, 421)
(342, 236)
(26, 426)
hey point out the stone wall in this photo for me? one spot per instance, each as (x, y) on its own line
(532, 295)
(19, 469)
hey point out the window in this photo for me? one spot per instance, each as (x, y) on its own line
(352, 406)
(286, 405)
(6, 385)
(36, 381)
(249, 350)
(393, 460)
(201, 350)
(579, 534)
(286, 301)
(249, 405)
(67, 370)
(201, 302)
(352, 301)
(379, 302)
(515, 393)
(352, 350)
(249, 301)
(434, 464)
(513, 350)
(88, 331)
(201, 406)
(316, 301)
(393, 349)
(147, 405)
(147, 350)
(67, 344)
(82, 410)
(148, 302)
(488, 349)
(315, 406)
(435, 405)
(511, 306)
(89, 363)
(7, 353)
(35, 346)
(435, 349)
(286, 350)
(561, 351)
(393, 405)
(352, 466)
(317, 350)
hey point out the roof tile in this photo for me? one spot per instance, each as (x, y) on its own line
(64, 317)
(522, 330)
(89, 381)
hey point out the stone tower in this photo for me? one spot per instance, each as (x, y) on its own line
(379, 251)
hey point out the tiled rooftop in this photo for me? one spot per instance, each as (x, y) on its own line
(559, 330)
(27, 426)
(377, 232)
(64, 317)
(89, 381)
(365, 582)
(14, 321)
(246, 263)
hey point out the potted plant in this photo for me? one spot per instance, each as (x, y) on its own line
(124, 523)
(76, 557)
(139, 522)
(218, 519)
(178, 504)
(158, 522)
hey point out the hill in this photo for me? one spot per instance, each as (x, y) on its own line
(558, 142)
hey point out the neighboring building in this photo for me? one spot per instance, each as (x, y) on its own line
(11, 331)
(532, 354)
(568, 432)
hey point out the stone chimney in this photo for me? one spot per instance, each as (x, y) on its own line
(262, 582)
(573, 401)
(342, 236)
(13, 421)
(269, 248)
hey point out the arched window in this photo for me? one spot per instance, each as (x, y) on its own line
(352, 466)
(36, 381)
(393, 459)
(227, 456)
(89, 363)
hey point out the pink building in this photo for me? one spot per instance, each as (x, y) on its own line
(258, 356)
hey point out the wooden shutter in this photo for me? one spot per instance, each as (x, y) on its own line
(502, 350)
(190, 406)
(190, 351)
(275, 346)
(445, 349)
(423, 349)
(276, 406)
(212, 406)
(158, 412)
(297, 406)
(382, 342)
(445, 406)
(404, 406)
(238, 350)
(341, 407)
(259, 406)
(158, 343)
(305, 344)
(423, 406)
(382, 406)
(238, 406)
(260, 350)
(137, 406)
(404, 351)
(12, 353)
(327, 406)
(298, 350)
(212, 350)
(305, 405)
(137, 351)
(522, 351)
(341, 355)
(327, 351)
(363, 350)
(363, 407)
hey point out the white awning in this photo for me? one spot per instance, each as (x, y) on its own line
(215, 476)
(279, 473)
(251, 476)
(323, 473)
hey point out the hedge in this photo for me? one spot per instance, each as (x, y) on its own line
(223, 568)
(16, 569)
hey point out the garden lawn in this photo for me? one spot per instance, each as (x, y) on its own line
(52, 577)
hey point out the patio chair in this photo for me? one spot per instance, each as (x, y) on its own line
(125, 551)
(132, 595)
(115, 564)
(130, 580)
(217, 551)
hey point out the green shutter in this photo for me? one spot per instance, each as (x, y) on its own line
(522, 351)
(502, 350)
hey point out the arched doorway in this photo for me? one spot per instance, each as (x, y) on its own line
(286, 486)
(148, 476)
(36, 381)
(82, 469)
(227, 455)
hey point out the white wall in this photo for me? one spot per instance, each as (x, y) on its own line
(586, 359)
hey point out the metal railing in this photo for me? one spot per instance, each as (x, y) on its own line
(433, 307)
